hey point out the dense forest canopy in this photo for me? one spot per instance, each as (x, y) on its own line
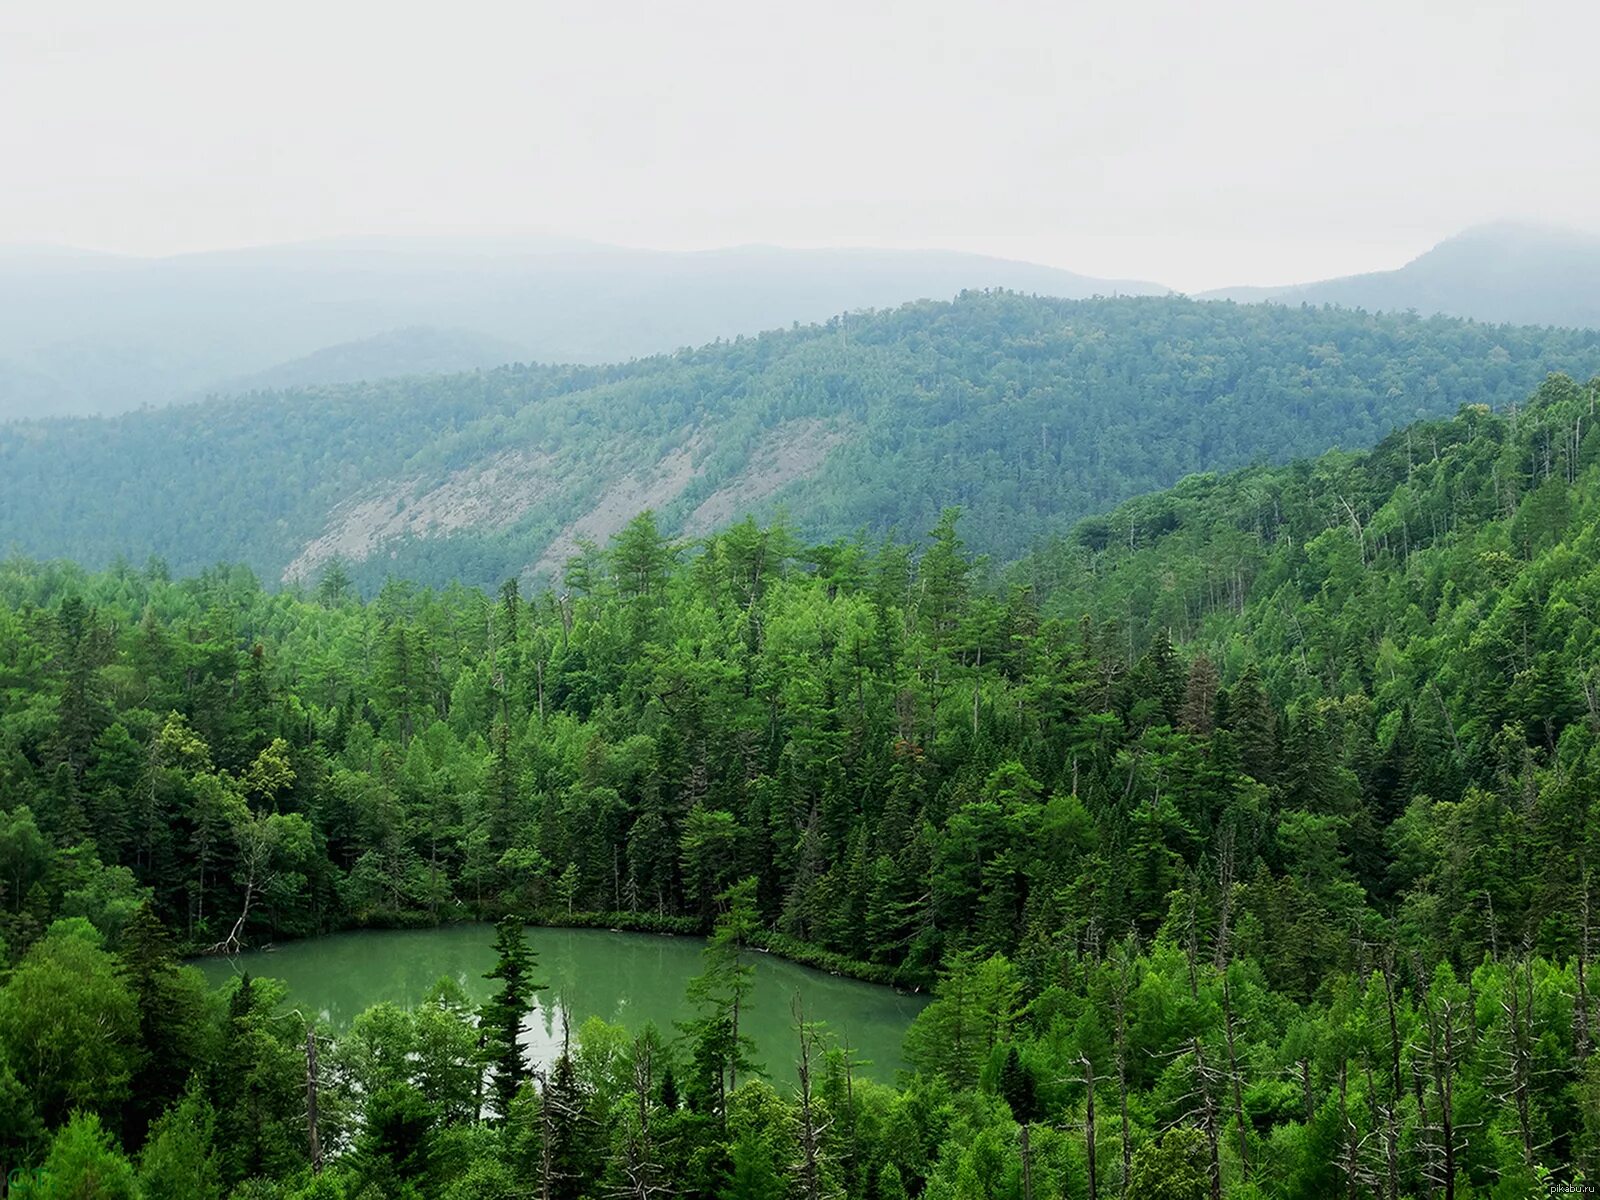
(1246, 837)
(1026, 412)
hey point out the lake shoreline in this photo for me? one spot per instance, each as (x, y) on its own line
(766, 941)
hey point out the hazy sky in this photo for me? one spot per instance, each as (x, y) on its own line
(1194, 143)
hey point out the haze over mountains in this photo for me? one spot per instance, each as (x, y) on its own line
(1505, 272)
(84, 333)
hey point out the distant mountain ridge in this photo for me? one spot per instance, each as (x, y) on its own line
(1503, 273)
(86, 333)
(1027, 412)
(83, 332)
(420, 350)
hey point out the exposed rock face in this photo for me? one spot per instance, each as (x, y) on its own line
(492, 495)
(517, 484)
(792, 452)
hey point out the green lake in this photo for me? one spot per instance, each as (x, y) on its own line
(626, 978)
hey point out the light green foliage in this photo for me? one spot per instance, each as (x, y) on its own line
(85, 1164)
(1172, 1167)
(178, 1161)
(976, 1006)
(760, 1145)
(444, 1064)
(69, 1024)
(378, 1049)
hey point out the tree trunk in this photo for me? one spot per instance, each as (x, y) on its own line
(1088, 1124)
(1208, 1117)
(1119, 999)
(313, 1136)
(1233, 1076)
(1347, 1131)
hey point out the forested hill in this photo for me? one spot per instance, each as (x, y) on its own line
(1438, 523)
(1027, 412)
(1251, 849)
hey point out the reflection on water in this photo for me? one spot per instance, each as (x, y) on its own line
(625, 978)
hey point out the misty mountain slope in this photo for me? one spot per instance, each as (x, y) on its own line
(100, 334)
(1027, 412)
(419, 350)
(1520, 274)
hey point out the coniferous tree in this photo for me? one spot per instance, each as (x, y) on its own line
(721, 994)
(503, 1014)
(171, 1019)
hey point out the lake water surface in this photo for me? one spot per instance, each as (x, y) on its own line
(625, 978)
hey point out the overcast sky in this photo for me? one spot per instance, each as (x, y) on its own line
(1195, 143)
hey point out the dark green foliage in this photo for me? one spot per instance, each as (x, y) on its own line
(172, 1009)
(721, 1052)
(256, 1082)
(505, 1012)
(69, 1025)
(1016, 1087)
(396, 1149)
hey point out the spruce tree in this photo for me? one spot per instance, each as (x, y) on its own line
(503, 1013)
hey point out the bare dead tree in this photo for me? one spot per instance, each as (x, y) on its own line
(1121, 986)
(1581, 1027)
(1201, 1104)
(547, 1138)
(1387, 971)
(1444, 1023)
(1088, 1123)
(1355, 1154)
(259, 838)
(1347, 1131)
(852, 1149)
(1512, 1065)
(1307, 1094)
(1191, 937)
(642, 1176)
(1205, 1085)
(1516, 1049)
(562, 1117)
(313, 1134)
(1356, 530)
(811, 1122)
(1223, 959)
(1383, 1173)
